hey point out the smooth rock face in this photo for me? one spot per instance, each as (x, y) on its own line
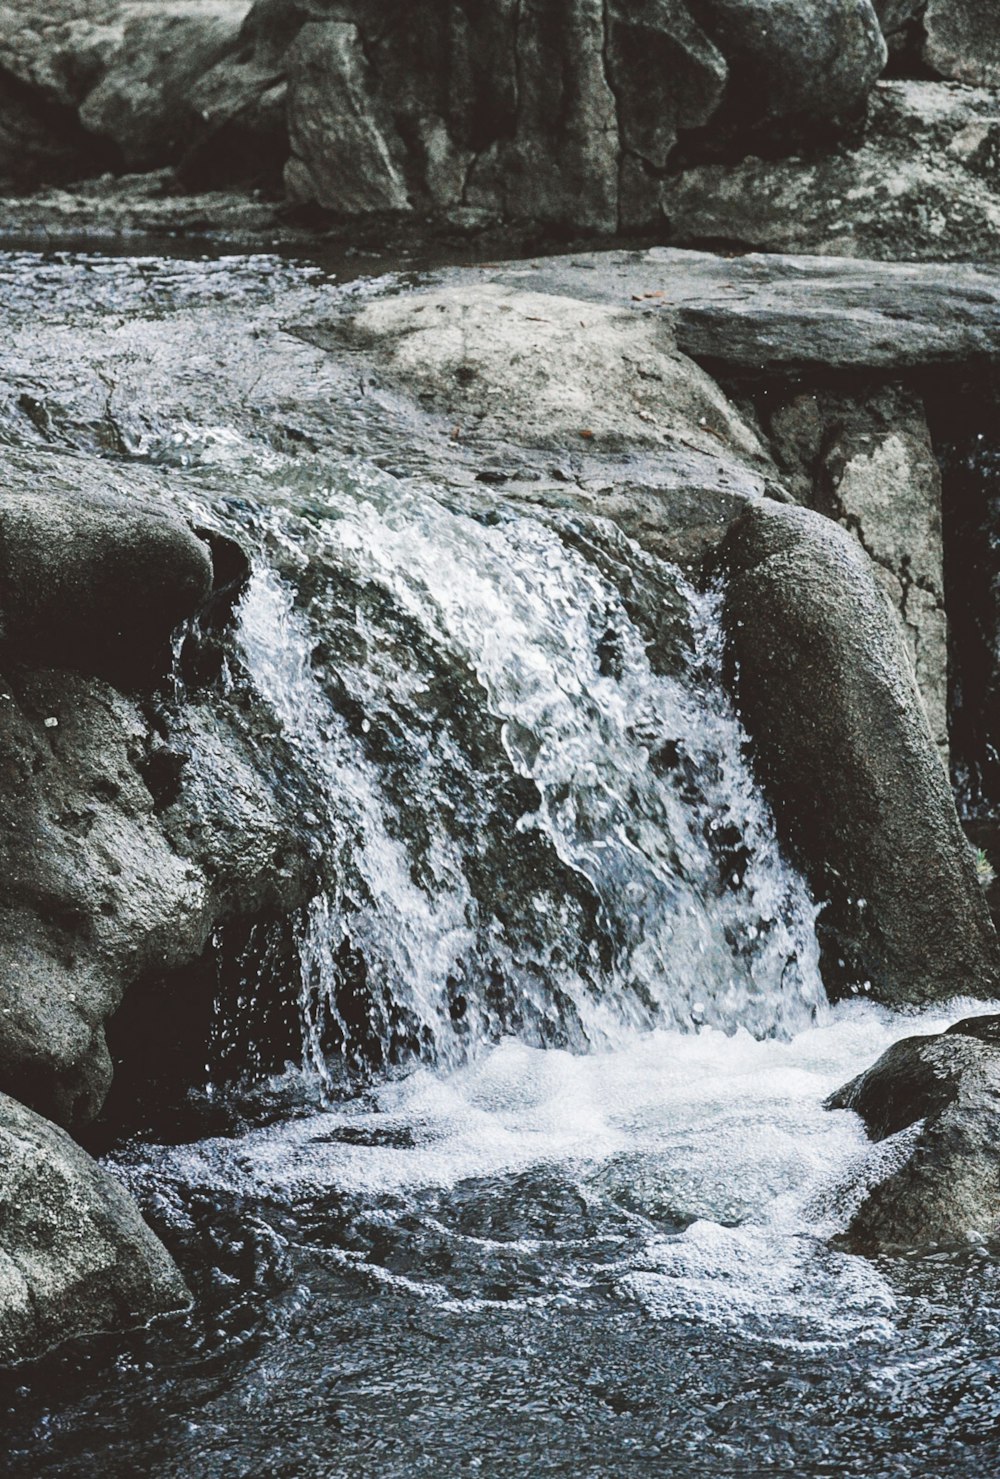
(486, 357)
(75, 1256)
(866, 460)
(921, 185)
(813, 59)
(95, 580)
(844, 751)
(962, 41)
(787, 313)
(948, 1188)
(341, 157)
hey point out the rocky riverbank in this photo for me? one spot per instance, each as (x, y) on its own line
(803, 424)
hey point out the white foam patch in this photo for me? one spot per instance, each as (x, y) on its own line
(723, 1132)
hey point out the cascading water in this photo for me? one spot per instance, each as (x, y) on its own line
(525, 826)
(552, 1190)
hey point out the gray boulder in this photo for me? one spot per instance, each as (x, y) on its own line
(75, 1256)
(843, 748)
(919, 185)
(142, 102)
(866, 460)
(799, 59)
(947, 1189)
(94, 579)
(962, 41)
(342, 150)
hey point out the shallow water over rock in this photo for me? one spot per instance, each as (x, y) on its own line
(549, 1186)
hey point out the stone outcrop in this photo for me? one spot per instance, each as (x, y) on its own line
(946, 1087)
(962, 41)
(919, 184)
(118, 858)
(483, 355)
(843, 749)
(75, 1256)
(866, 460)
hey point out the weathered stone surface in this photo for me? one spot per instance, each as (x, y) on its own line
(75, 1256)
(143, 101)
(866, 460)
(922, 184)
(770, 311)
(93, 579)
(342, 157)
(814, 59)
(962, 41)
(843, 748)
(486, 357)
(948, 1188)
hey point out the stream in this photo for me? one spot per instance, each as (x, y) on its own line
(546, 1187)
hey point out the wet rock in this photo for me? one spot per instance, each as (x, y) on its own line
(75, 1256)
(342, 149)
(844, 751)
(866, 460)
(962, 41)
(93, 579)
(789, 59)
(485, 357)
(947, 1190)
(920, 184)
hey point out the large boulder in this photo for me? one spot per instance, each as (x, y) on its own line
(142, 102)
(75, 1256)
(945, 1089)
(485, 356)
(342, 149)
(865, 459)
(962, 41)
(920, 184)
(94, 579)
(843, 748)
(796, 59)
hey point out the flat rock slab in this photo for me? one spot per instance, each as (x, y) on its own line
(767, 311)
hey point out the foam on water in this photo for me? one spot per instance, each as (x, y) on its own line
(714, 1148)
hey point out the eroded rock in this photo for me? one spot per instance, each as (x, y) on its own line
(948, 1188)
(487, 356)
(920, 185)
(866, 460)
(962, 41)
(844, 751)
(76, 1258)
(94, 579)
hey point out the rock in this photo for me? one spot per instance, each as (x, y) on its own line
(946, 1189)
(843, 749)
(771, 312)
(962, 41)
(920, 184)
(667, 76)
(143, 101)
(484, 357)
(342, 150)
(866, 460)
(75, 1256)
(94, 579)
(796, 59)
(562, 166)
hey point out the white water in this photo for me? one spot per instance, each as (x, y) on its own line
(715, 1148)
(516, 617)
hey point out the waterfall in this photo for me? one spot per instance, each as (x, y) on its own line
(526, 787)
